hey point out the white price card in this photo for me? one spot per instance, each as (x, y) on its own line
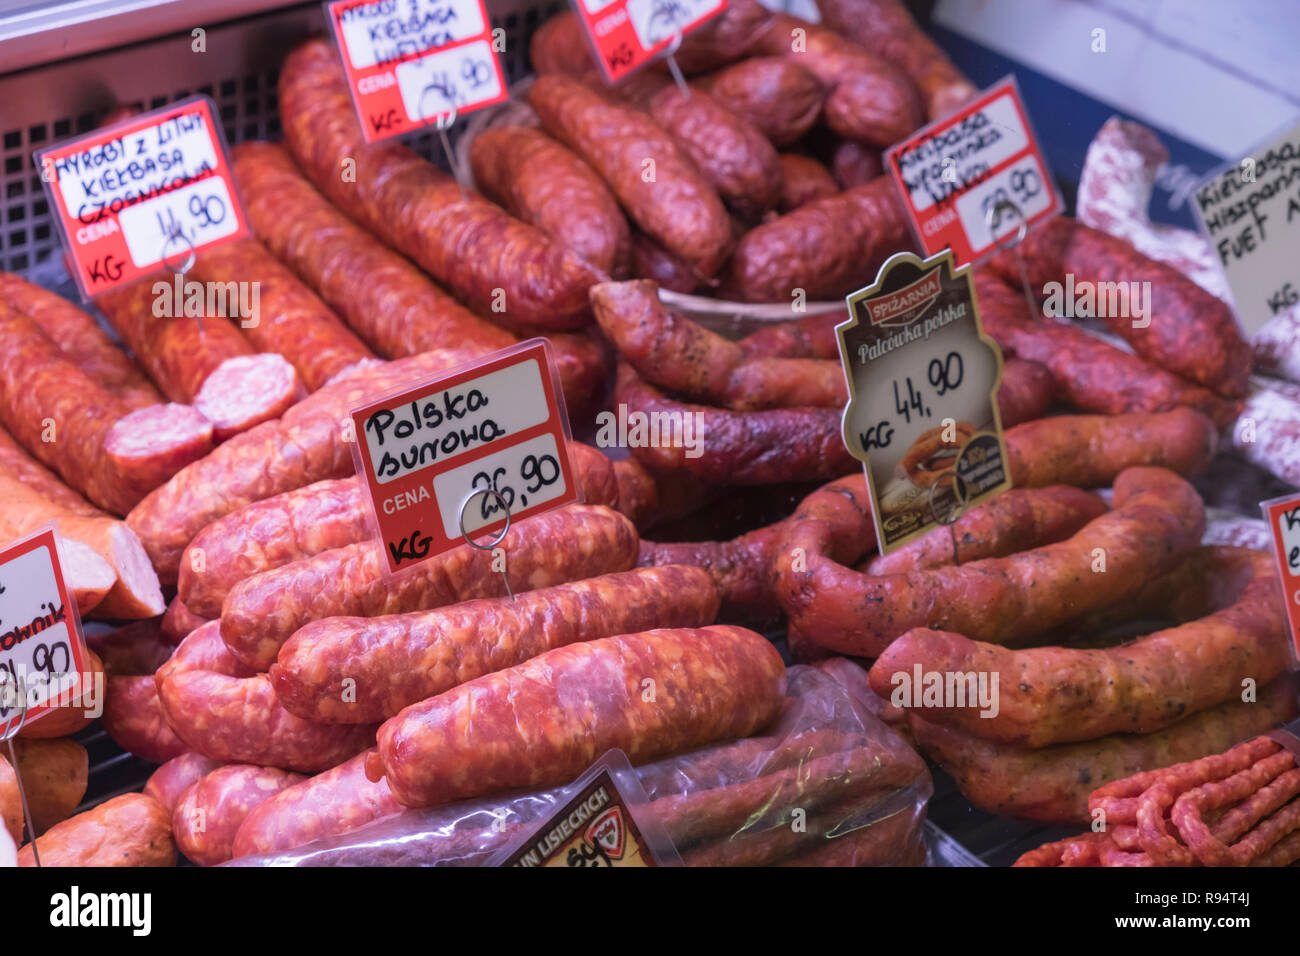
(1250, 212)
(142, 194)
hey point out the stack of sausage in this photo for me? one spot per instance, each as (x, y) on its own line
(1232, 809)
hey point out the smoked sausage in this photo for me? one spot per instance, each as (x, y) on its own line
(130, 830)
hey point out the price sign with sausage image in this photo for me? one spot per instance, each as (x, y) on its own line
(628, 34)
(42, 653)
(142, 194)
(1283, 517)
(972, 178)
(410, 63)
(922, 414)
(455, 456)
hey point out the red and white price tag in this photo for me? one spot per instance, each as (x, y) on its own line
(628, 34)
(42, 652)
(1283, 517)
(411, 62)
(146, 192)
(431, 453)
(975, 177)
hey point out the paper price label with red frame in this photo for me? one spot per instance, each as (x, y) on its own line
(628, 34)
(977, 168)
(411, 62)
(143, 193)
(1283, 517)
(499, 424)
(42, 653)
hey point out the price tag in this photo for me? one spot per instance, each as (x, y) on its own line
(42, 652)
(1283, 517)
(143, 193)
(411, 62)
(974, 177)
(922, 414)
(497, 425)
(601, 823)
(628, 34)
(1250, 212)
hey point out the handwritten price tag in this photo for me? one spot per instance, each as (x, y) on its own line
(142, 193)
(922, 414)
(1283, 517)
(42, 652)
(411, 62)
(628, 34)
(498, 425)
(1250, 212)
(964, 173)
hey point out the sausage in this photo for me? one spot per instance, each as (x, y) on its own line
(657, 183)
(486, 258)
(134, 719)
(134, 588)
(649, 260)
(226, 712)
(732, 153)
(172, 779)
(742, 448)
(517, 728)
(179, 621)
(738, 568)
(810, 337)
(81, 340)
(1052, 695)
(1025, 393)
(775, 94)
(827, 248)
(886, 27)
(17, 464)
(88, 576)
(1157, 519)
(11, 803)
(64, 418)
(54, 775)
(566, 544)
(869, 98)
(337, 801)
(539, 181)
(804, 180)
(290, 319)
(130, 830)
(149, 445)
(302, 446)
(559, 46)
(244, 391)
(76, 714)
(210, 812)
(677, 353)
(729, 36)
(1180, 314)
(396, 660)
(854, 164)
(1089, 373)
(1052, 784)
(318, 517)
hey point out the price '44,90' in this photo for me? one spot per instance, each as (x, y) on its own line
(945, 375)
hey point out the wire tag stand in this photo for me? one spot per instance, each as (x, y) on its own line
(949, 520)
(491, 545)
(992, 218)
(176, 235)
(21, 693)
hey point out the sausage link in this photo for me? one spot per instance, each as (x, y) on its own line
(488, 259)
(210, 812)
(649, 260)
(558, 46)
(1181, 313)
(775, 94)
(393, 661)
(729, 36)
(854, 164)
(134, 718)
(179, 621)
(54, 775)
(676, 205)
(567, 544)
(869, 98)
(17, 464)
(1053, 695)
(130, 830)
(11, 803)
(804, 180)
(172, 779)
(1052, 784)
(517, 728)
(827, 248)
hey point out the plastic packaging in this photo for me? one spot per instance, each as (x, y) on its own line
(830, 784)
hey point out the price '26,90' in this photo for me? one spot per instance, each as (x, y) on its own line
(535, 472)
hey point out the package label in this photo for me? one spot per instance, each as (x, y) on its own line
(1250, 212)
(142, 194)
(42, 652)
(410, 63)
(498, 424)
(972, 170)
(1283, 517)
(922, 414)
(628, 34)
